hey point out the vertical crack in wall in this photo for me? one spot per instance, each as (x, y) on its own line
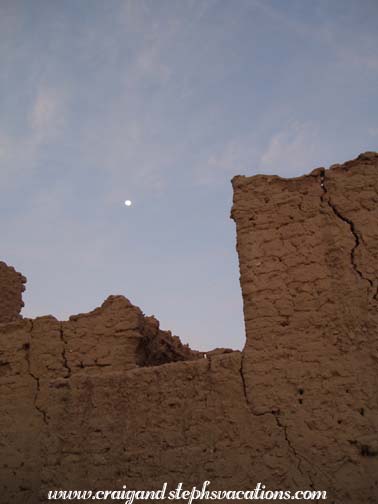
(245, 394)
(298, 457)
(291, 446)
(281, 426)
(64, 356)
(27, 348)
(357, 239)
(244, 385)
(375, 297)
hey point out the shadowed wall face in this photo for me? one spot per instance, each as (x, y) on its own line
(11, 289)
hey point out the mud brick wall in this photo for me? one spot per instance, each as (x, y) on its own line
(108, 398)
(308, 252)
(11, 289)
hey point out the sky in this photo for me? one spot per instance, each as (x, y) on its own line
(162, 102)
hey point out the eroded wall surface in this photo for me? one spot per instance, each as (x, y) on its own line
(11, 289)
(107, 398)
(308, 250)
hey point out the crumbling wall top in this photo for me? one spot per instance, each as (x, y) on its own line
(11, 289)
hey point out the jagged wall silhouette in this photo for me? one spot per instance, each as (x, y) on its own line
(12, 287)
(107, 398)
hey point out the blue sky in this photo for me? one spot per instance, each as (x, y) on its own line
(162, 102)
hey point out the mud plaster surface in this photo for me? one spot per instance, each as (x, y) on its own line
(107, 398)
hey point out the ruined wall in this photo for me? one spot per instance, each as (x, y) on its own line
(308, 250)
(107, 398)
(11, 289)
(48, 371)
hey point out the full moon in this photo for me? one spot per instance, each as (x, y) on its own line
(128, 202)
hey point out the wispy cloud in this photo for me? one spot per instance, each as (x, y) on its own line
(46, 115)
(20, 152)
(292, 149)
(237, 156)
(341, 35)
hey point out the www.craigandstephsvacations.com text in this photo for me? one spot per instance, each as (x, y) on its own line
(179, 493)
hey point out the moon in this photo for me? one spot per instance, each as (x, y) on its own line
(128, 202)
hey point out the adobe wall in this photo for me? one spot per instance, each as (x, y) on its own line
(308, 252)
(107, 398)
(11, 289)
